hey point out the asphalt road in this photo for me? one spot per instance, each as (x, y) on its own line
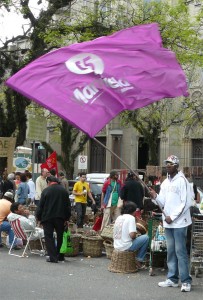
(81, 278)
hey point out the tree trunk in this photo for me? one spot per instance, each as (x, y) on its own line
(153, 150)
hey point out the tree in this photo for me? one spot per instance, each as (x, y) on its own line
(13, 106)
(180, 32)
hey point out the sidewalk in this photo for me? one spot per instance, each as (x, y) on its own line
(81, 278)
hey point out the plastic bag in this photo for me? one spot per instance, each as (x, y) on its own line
(66, 246)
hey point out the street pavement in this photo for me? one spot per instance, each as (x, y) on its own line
(82, 278)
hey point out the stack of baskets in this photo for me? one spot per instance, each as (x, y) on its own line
(107, 235)
(108, 245)
(75, 243)
(92, 246)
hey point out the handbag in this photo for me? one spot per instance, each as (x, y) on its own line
(110, 197)
(66, 246)
(120, 203)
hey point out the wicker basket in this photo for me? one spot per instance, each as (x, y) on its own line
(36, 245)
(107, 232)
(92, 246)
(123, 262)
(108, 245)
(141, 226)
(75, 241)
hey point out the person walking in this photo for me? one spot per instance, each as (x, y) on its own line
(109, 199)
(175, 199)
(54, 211)
(133, 191)
(81, 190)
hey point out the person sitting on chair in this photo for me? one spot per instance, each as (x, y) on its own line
(125, 234)
(5, 205)
(27, 221)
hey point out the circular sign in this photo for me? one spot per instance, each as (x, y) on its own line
(21, 163)
(85, 63)
(83, 159)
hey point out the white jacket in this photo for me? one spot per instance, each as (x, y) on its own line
(175, 199)
(27, 224)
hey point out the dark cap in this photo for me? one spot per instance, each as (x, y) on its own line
(131, 175)
(52, 179)
(113, 173)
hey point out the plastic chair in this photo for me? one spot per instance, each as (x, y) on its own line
(27, 236)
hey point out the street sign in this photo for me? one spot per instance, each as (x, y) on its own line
(37, 128)
(82, 162)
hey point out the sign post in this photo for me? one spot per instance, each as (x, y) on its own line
(37, 128)
(82, 162)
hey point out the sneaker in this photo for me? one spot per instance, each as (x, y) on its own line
(168, 283)
(186, 287)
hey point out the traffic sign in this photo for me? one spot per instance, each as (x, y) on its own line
(82, 162)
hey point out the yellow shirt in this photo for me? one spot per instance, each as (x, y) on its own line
(79, 187)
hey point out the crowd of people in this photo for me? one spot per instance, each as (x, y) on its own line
(50, 194)
(121, 204)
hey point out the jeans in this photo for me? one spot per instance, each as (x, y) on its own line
(141, 244)
(177, 258)
(6, 227)
(81, 211)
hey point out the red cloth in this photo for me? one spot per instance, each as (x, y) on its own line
(138, 214)
(51, 163)
(98, 223)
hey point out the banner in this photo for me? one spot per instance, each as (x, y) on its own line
(51, 163)
(7, 147)
(89, 83)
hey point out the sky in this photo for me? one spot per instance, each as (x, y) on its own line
(11, 23)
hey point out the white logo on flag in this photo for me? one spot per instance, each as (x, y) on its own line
(85, 63)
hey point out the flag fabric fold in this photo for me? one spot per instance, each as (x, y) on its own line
(51, 163)
(89, 83)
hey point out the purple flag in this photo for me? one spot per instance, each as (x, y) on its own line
(89, 83)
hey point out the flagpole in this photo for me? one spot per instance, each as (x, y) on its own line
(96, 140)
(136, 175)
(33, 160)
